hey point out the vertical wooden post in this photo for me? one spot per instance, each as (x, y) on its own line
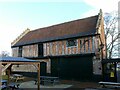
(38, 76)
(8, 75)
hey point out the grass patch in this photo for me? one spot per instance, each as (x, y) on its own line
(5, 77)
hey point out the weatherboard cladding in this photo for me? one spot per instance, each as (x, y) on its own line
(76, 28)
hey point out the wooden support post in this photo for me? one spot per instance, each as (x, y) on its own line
(38, 76)
(8, 71)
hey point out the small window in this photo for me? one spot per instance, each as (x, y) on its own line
(71, 42)
(20, 51)
(40, 50)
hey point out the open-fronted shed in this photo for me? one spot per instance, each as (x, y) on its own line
(7, 62)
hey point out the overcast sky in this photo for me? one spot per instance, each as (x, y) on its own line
(17, 15)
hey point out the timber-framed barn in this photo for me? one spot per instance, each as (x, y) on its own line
(70, 50)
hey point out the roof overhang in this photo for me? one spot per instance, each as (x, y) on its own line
(55, 39)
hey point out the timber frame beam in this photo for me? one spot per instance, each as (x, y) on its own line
(6, 66)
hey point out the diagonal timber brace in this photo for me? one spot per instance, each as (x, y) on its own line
(5, 67)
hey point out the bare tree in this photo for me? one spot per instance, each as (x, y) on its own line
(111, 34)
(4, 54)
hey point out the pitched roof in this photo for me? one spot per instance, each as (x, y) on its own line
(76, 28)
(16, 59)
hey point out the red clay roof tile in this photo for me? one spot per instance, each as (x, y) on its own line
(80, 27)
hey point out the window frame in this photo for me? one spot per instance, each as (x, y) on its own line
(71, 41)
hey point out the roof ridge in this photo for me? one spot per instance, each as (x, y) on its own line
(63, 23)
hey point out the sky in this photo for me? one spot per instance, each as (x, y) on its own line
(18, 15)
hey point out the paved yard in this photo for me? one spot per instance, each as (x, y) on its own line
(29, 84)
(64, 85)
(85, 85)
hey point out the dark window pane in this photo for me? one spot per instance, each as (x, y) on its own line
(71, 42)
(40, 50)
(20, 51)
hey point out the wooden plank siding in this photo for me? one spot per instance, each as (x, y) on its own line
(57, 48)
(63, 47)
(90, 44)
(27, 51)
(81, 46)
(15, 52)
(30, 51)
